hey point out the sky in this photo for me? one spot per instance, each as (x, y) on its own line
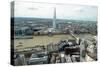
(63, 11)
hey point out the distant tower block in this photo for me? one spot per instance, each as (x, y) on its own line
(54, 19)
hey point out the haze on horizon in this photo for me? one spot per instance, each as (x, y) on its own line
(68, 11)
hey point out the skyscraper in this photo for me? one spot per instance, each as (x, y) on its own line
(54, 18)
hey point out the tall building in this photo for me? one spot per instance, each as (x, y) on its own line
(54, 19)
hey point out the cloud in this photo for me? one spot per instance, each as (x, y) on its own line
(39, 10)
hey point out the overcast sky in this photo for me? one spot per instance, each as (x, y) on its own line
(41, 10)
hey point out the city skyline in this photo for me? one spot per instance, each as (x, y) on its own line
(74, 12)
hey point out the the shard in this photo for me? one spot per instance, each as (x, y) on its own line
(54, 19)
